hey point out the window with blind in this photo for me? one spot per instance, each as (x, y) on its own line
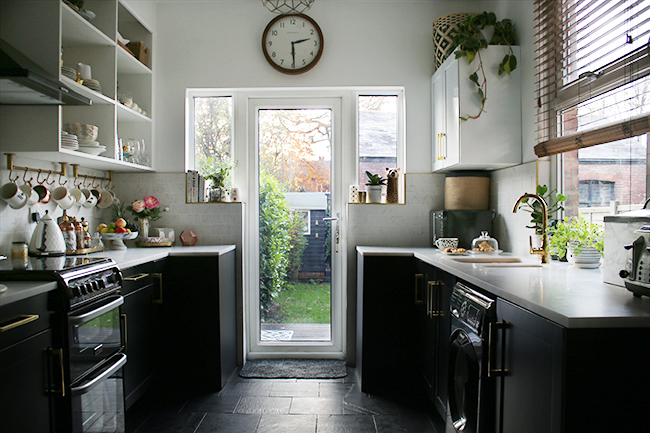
(593, 90)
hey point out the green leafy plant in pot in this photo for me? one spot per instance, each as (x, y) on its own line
(553, 201)
(469, 40)
(579, 240)
(218, 178)
(374, 186)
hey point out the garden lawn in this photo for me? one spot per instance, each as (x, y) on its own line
(305, 303)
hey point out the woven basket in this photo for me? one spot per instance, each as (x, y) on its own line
(444, 29)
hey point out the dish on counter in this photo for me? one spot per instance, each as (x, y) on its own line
(455, 254)
(114, 236)
(450, 251)
(485, 253)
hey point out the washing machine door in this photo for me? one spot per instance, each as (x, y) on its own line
(463, 395)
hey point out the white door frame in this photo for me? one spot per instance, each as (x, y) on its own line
(343, 171)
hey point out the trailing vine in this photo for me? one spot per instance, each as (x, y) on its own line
(469, 41)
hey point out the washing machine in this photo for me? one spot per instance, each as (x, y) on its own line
(471, 393)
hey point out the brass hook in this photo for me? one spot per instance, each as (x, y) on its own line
(85, 180)
(38, 177)
(30, 179)
(17, 176)
(49, 173)
(98, 185)
(62, 184)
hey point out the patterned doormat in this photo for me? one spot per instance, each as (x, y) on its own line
(294, 369)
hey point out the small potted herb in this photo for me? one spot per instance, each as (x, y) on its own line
(579, 240)
(553, 201)
(374, 186)
(217, 180)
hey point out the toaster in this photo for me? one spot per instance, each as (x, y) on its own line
(637, 266)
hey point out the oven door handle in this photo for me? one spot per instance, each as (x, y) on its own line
(106, 373)
(110, 303)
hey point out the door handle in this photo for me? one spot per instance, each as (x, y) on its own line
(58, 354)
(331, 219)
(443, 146)
(492, 328)
(136, 277)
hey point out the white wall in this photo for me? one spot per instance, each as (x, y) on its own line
(218, 44)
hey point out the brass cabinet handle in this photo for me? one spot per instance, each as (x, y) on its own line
(19, 321)
(493, 327)
(124, 331)
(418, 284)
(136, 277)
(158, 297)
(443, 146)
(434, 293)
(58, 353)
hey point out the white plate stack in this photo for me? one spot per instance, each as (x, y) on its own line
(69, 72)
(69, 141)
(91, 146)
(93, 85)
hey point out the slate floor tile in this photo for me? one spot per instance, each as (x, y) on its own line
(345, 424)
(328, 389)
(260, 405)
(171, 422)
(294, 389)
(253, 388)
(370, 404)
(213, 403)
(287, 424)
(316, 405)
(229, 423)
(403, 424)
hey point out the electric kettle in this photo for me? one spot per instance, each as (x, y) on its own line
(47, 239)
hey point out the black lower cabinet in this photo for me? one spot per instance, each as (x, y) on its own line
(433, 291)
(385, 323)
(28, 367)
(200, 322)
(555, 379)
(141, 316)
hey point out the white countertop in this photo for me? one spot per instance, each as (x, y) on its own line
(568, 296)
(19, 290)
(137, 256)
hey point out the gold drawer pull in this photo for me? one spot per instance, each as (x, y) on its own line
(19, 321)
(136, 277)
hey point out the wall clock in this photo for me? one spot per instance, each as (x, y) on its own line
(293, 43)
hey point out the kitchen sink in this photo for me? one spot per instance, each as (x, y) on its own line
(498, 262)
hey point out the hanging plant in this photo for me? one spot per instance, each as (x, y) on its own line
(469, 40)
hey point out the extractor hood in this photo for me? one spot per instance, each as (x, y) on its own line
(23, 82)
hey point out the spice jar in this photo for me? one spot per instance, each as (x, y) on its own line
(19, 250)
(79, 231)
(69, 235)
(87, 237)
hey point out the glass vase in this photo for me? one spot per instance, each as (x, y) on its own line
(144, 229)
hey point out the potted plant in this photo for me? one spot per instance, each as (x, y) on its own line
(374, 186)
(470, 40)
(218, 179)
(553, 201)
(579, 240)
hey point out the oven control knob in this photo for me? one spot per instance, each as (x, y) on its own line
(623, 274)
(82, 289)
(102, 284)
(94, 286)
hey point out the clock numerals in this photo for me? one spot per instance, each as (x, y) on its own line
(296, 39)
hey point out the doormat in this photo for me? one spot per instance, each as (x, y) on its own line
(294, 369)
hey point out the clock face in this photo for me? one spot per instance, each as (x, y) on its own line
(292, 44)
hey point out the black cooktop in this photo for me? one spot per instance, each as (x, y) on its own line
(33, 266)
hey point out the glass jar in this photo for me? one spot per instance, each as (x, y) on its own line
(485, 244)
(19, 250)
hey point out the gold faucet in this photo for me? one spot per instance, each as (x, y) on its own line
(543, 251)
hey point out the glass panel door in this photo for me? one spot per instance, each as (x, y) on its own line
(297, 301)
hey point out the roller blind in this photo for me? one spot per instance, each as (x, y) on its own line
(593, 72)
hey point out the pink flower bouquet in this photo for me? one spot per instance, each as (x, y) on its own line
(148, 208)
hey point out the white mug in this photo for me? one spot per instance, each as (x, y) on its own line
(79, 196)
(91, 199)
(443, 243)
(32, 196)
(63, 198)
(12, 194)
(105, 199)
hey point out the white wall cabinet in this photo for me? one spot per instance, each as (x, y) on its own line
(53, 34)
(494, 139)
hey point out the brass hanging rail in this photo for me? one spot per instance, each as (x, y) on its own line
(11, 167)
(62, 173)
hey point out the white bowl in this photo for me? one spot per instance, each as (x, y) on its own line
(92, 150)
(113, 236)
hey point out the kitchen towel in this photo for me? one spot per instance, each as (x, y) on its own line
(294, 368)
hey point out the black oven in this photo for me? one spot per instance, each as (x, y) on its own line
(88, 339)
